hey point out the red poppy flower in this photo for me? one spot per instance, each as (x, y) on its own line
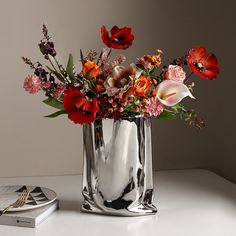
(121, 38)
(80, 110)
(202, 63)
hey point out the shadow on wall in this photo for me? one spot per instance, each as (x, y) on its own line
(175, 145)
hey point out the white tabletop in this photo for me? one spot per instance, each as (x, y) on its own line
(190, 203)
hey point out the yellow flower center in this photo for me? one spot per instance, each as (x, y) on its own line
(200, 65)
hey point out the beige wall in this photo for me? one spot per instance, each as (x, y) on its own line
(33, 145)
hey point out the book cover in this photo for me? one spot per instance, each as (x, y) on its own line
(29, 218)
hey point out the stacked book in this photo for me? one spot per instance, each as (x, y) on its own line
(41, 203)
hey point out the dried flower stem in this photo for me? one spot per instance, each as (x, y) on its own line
(188, 77)
(99, 58)
(27, 61)
(45, 32)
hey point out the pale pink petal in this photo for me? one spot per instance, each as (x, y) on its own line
(105, 54)
(127, 75)
(117, 71)
(171, 92)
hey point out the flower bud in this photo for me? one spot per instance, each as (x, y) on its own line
(124, 103)
(114, 104)
(121, 109)
(110, 100)
(110, 110)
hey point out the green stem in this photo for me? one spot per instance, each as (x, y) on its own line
(60, 67)
(52, 64)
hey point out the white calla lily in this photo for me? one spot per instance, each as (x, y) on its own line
(171, 92)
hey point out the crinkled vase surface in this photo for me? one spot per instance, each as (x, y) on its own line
(117, 177)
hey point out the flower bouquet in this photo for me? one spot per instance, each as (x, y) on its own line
(117, 151)
(106, 89)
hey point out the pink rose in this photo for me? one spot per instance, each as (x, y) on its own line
(176, 73)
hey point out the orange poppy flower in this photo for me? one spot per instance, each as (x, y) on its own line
(91, 68)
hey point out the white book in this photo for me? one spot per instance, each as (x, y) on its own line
(29, 218)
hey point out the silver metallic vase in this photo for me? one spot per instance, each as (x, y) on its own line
(117, 177)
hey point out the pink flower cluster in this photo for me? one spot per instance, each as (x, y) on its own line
(154, 106)
(146, 64)
(32, 84)
(109, 65)
(60, 89)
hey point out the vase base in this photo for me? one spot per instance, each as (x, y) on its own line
(140, 210)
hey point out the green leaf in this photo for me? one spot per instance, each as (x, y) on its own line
(91, 94)
(140, 66)
(166, 115)
(70, 67)
(57, 113)
(129, 111)
(57, 74)
(152, 70)
(54, 103)
(156, 77)
(177, 107)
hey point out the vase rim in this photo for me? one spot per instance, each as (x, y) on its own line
(124, 117)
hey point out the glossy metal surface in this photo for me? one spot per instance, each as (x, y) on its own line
(117, 177)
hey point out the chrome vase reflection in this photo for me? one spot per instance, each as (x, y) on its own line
(117, 177)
